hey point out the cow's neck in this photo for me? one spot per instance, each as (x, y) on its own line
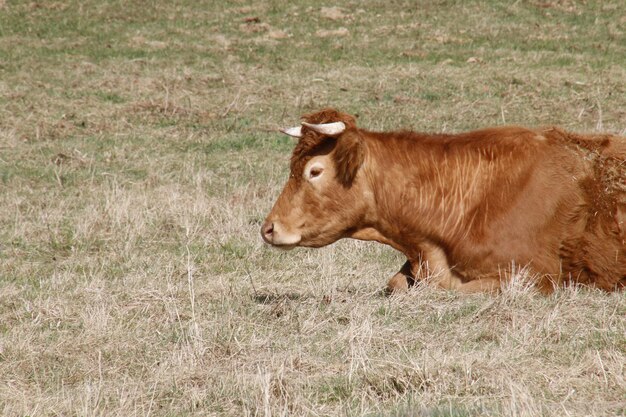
(426, 190)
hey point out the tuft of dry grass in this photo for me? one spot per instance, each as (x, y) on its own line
(138, 157)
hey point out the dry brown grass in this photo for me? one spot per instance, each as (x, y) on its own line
(138, 158)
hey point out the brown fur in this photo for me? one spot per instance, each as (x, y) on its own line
(467, 208)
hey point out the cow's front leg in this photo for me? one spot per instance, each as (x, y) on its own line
(436, 270)
(428, 264)
(431, 266)
(402, 280)
(481, 285)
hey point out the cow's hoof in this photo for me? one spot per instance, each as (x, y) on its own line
(398, 283)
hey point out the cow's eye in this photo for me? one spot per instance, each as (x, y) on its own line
(315, 172)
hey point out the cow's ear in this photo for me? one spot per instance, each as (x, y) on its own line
(348, 156)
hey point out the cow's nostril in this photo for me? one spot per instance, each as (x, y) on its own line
(268, 231)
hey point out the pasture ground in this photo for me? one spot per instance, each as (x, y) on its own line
(139, 155)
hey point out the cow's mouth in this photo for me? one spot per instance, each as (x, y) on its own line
(284, 247)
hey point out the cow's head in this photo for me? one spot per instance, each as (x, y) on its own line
(325, 197)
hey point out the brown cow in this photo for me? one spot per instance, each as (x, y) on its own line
(465, 209)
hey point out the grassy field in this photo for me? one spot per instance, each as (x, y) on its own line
(139, 156)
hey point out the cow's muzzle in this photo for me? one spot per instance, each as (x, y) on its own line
(276, 235)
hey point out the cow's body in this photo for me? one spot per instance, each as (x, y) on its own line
(465, 209)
